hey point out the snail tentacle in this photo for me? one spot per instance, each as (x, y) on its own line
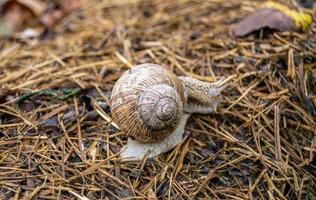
(203, 97)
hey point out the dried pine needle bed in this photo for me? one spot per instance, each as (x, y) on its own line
(56, 141)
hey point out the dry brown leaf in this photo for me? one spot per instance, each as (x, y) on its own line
(307, 3)
(274, 16)
(17, 13)
(13, 16)
(52, 17)
(36, 6)
(5, 92)
(264, 18)
(71, 5)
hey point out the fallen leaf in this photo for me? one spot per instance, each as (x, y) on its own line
(37, 7)
(5, 92)
(50, 127)
(28, 106)
(302, 19)
(71, 115)
(13, 16)
(16, 13)
(54, 15)
(307, 3)
(274, 16)
(71, 5)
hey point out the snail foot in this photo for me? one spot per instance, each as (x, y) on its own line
(135, 150)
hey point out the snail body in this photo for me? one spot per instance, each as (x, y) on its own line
(147, 102)
(151, 105)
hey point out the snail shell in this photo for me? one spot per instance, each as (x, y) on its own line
(147, 102)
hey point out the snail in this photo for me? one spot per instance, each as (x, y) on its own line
(152, 105)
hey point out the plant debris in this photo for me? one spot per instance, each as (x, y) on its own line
(64, 94)
(274, 16)
(55, 144)
(17, 15)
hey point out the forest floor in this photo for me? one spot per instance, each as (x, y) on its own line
(56, 141)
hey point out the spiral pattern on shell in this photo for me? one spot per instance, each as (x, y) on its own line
(147, 102)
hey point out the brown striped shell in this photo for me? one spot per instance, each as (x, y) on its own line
(147, 102)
